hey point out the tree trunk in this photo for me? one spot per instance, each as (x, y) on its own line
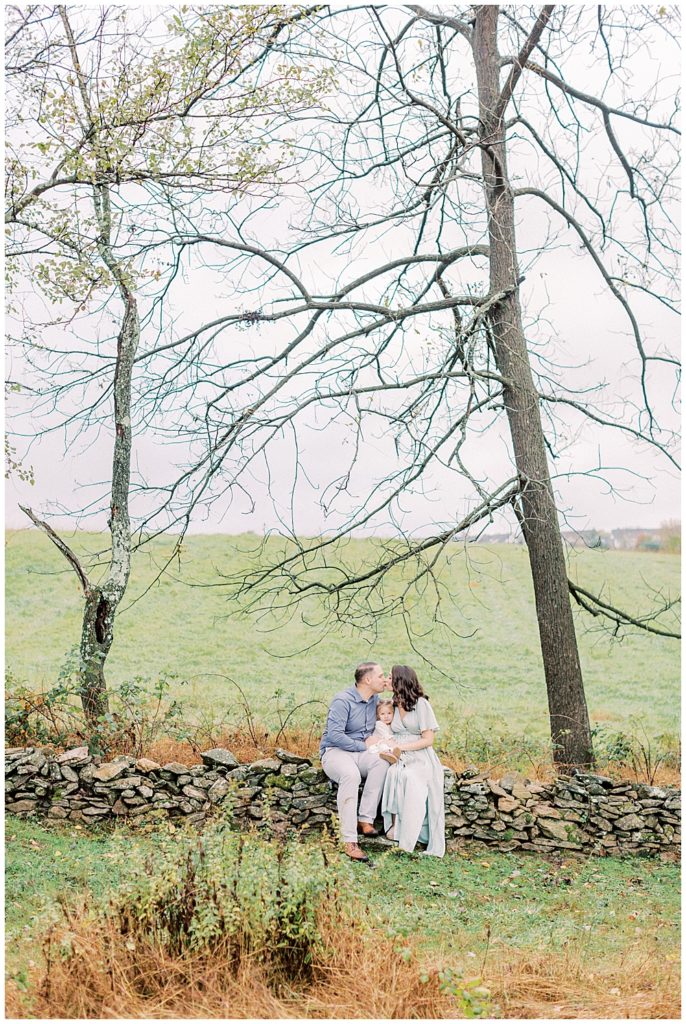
(569, 724)
(97, 632)
(96, 640)
(102, 602)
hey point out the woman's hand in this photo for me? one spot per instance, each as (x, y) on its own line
(427, 740)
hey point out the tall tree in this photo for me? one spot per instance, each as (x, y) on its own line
(122, 124)
(569, 723)
(383, 282)
(410, 228)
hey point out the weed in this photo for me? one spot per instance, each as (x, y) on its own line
(610, 746)
(51, 716)
(649, 759)
(548, 938)
(234, 922)
(141, 712)
(465, 740)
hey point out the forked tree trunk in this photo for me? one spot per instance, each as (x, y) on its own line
(569, 724)
(101, 602)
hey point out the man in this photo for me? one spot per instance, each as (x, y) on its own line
(345, 758)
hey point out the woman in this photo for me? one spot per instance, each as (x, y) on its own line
(412, 802)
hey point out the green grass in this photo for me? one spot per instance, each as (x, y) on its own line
(462, 908)
(474, 899)
(494, 683)
(48, 861)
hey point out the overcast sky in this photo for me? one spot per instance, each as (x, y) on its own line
(589, 337)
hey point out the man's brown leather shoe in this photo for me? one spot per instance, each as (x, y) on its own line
(355, 853)
(365, 829)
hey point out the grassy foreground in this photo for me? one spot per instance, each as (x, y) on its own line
(494, 681)
(547, 938)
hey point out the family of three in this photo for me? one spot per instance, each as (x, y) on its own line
(389, 744)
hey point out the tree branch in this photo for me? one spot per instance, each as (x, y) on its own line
(60, 544)
(520, 61)
(462, 27)
(590, 603)
(592, 100)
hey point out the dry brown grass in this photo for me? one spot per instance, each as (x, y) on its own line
(664, 776)
(105, 979)
(243, 746)
(534, 984)
(109, 976)
(306, 745)
(546, 772)
(263, 744)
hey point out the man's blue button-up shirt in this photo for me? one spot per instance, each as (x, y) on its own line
(350, 720)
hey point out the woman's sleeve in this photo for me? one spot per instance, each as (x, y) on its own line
(425, 716)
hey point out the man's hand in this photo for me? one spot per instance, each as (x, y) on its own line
(370, 740)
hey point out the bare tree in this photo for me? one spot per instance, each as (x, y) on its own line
(120, 125)
(391, 300)
(410, 174)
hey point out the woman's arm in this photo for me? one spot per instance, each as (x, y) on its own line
(427, 740)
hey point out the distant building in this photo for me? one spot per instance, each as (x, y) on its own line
(586, 538)
(513, 537)
(665, 538)
(635, 539)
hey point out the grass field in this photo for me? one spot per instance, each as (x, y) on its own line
(551, 938)
(493, 684)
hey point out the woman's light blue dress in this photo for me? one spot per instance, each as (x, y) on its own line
(413, 790)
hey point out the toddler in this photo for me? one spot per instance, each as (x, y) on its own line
(386, 745)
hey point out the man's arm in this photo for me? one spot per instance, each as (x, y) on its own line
(335, 728)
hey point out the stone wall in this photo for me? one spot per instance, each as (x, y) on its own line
(583, 812)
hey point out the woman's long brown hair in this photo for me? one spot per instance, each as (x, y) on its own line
(406, 687)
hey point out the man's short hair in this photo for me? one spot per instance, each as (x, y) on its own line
(363, 670)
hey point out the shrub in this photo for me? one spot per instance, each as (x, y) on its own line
(140, 712)
(636, 750)
(610, 746)
(236, 926)
(48, 717)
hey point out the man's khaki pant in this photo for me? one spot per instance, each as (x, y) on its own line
(348, 768)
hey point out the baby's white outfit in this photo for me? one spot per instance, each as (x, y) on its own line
(386, 739)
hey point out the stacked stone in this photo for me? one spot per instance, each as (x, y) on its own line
(280, 792)
(583, 812)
